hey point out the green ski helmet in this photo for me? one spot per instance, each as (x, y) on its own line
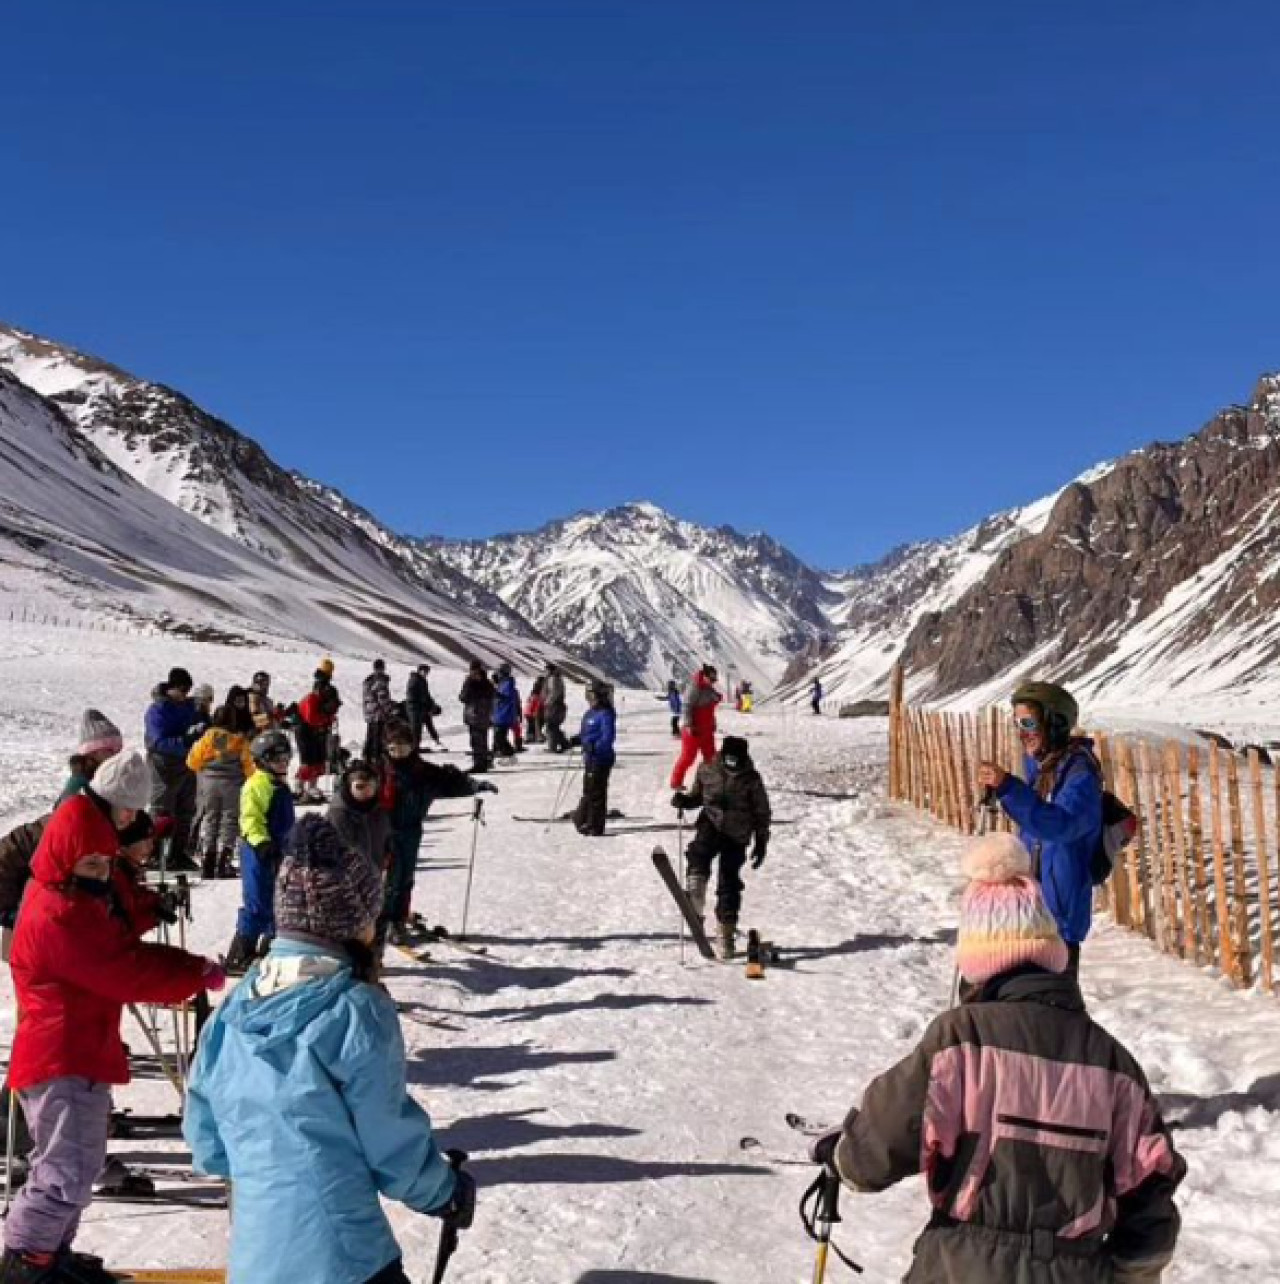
(1057, 705)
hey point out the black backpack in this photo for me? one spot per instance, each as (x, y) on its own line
(1119, 823)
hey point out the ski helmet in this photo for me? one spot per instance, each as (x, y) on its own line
(1056, 704)
(270, 744)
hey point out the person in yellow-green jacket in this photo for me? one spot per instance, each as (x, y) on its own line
(266, 819)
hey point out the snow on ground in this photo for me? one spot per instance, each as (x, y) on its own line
(601, 1087)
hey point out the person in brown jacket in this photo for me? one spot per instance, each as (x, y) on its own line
(1045, 1157)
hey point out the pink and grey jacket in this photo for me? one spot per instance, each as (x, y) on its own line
(1045, 1157)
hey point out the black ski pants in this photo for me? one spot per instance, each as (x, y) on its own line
(593, 808)
(419, 719)
(502, 742)
(373, 742)
(708, 845)
(557, 741)
(173, 792)
(675, 725)
(480, 760)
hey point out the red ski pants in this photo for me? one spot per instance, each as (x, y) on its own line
(692, 743)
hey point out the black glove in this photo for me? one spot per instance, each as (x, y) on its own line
(575, 742)
(823, 1149)
(267, 852)
(486, 787)
(167, 907)
(460, 1211)
(681, 801)
(194, 732)
(759, 852)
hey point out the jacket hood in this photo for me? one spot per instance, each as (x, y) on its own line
(78, 828)
(285, 993)
(1032, 985)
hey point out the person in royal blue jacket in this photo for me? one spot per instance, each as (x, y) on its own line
(173, 725)
(1058, 809)
(675, 706)
(506, 711)
(596, 736)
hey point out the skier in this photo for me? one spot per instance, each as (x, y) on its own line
(533, 712)
(735, 813)
(1059, 812)
(172, 727)
(596, 737)
(674, 705)
(477, 697)
(378, 707)
(1043, 1149)
(317, 717)
(100, 739)
(74, 967)
(222, 762)
(555, 709)
(263, 709)
(266, 817)
(140, 907)
(356, 812)
(697, 724)
(815, 696)
(422, 710)
(298, 1091)
(506, 711)
(408, 788)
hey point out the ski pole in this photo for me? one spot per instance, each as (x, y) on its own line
(564, 785)
(452, 1225)
(477, 819)
(154, 1041)
(819, 1212)
(684, 877)
(10, 1144)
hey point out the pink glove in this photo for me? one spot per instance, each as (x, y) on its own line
(214, 975)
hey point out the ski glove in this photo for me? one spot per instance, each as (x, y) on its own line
(486, 787)
(682, 802)
(460, 1211)
(759, 852)
(214, 976)
(167, 907)
(823, 1149)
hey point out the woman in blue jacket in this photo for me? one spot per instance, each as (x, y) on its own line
(1058, 809)
(596, 736)
(298, 1093)
(506, 711)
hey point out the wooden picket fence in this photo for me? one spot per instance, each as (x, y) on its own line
(1200, 877)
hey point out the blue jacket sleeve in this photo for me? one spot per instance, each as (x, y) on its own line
(1075, 811)
(162, 736)
(199, 1127)
(394, 1131)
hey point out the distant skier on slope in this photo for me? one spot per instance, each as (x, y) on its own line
(596, 738)
(377, 706)
(506, 711)
(1044, 1152)
(477, 696)
(674, 705)
(697, 723)
(317, 717)
(735, 813)
(815, 696)
(555, 708)
(421, 709)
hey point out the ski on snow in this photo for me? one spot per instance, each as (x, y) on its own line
(567, 817)
(662, 863)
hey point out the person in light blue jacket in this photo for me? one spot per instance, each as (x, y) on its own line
(298, 1094)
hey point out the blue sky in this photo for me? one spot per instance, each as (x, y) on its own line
(852, 273)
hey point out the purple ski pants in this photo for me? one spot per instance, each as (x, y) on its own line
(69, 1119)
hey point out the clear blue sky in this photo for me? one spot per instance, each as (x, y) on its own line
(851, 272)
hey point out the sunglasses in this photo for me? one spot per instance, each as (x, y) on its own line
(1029, 724)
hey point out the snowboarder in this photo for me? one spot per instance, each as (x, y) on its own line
(74, 967)
(317, 718)
(506, 711)
(266, 817)
(533, 712)
(1044, 1152)
(222, 762)
(100, 739)
(735, 813)
(477, 696)
(172, 727)
(596, 738)
(421, 709)
(409, 786)
(674, 706)
(1059, 810)
(298, 1091)
(815, 696)
(697, 723)
(378, 707)
(555, 709)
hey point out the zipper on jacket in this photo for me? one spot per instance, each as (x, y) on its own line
(1062, 1130)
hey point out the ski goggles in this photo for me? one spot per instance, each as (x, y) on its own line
(1029, 724)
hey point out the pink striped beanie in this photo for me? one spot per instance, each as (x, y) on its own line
(1004, 922)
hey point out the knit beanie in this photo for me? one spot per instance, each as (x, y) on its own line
(99, 736)
(1004, 922)
(141, 828)
(124, 781)
(325, 889)
(204, 692)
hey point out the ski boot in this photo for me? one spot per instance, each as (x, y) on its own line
(240, 956)
(728, 934)
(118, 1178)
(209, 865)
(83, 1268)
(33, 1268)
(226, 867)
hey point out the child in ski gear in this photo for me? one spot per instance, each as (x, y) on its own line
(421, 709)
(377, 706)
(1044, 1153)
(74, 967)
(555, 709)
(202, 698)
(222, 762)
(317, 715)
(298, 1092)
(100, 739)
(506, 711)
(735, 813)
(815, 696)
(262, 708)
(356, 812)
(140, 907)
(266, 817)
(477, 696)
(1058, 810)
(17, 849)
(409, 786)
(674, 705)
(697, 723)
(533, 712)
(172, 727)
(596, 737)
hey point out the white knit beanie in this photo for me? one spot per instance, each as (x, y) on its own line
(124, 781)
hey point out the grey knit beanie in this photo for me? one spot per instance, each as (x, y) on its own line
(124, 781)
(324, 889)
(99, 736)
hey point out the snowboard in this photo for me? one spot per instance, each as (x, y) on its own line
(662, 863)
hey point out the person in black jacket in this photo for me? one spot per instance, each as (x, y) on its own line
(477, 696)
(420, 707)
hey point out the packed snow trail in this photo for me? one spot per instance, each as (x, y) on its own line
(602, 1089)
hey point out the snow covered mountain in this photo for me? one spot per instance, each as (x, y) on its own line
(647, 596)
(122, 494)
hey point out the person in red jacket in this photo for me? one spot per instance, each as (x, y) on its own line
(698, 723)
(75, 964)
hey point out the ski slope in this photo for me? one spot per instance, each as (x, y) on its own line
(601, 1087)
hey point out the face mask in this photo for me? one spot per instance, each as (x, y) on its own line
(98, 887)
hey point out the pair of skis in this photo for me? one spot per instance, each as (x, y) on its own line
(797, 1123)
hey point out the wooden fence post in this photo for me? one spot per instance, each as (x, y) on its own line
(1240, 897)
(1260, 838)
(1186, 944)
(1226, 950)
(1199, 865)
